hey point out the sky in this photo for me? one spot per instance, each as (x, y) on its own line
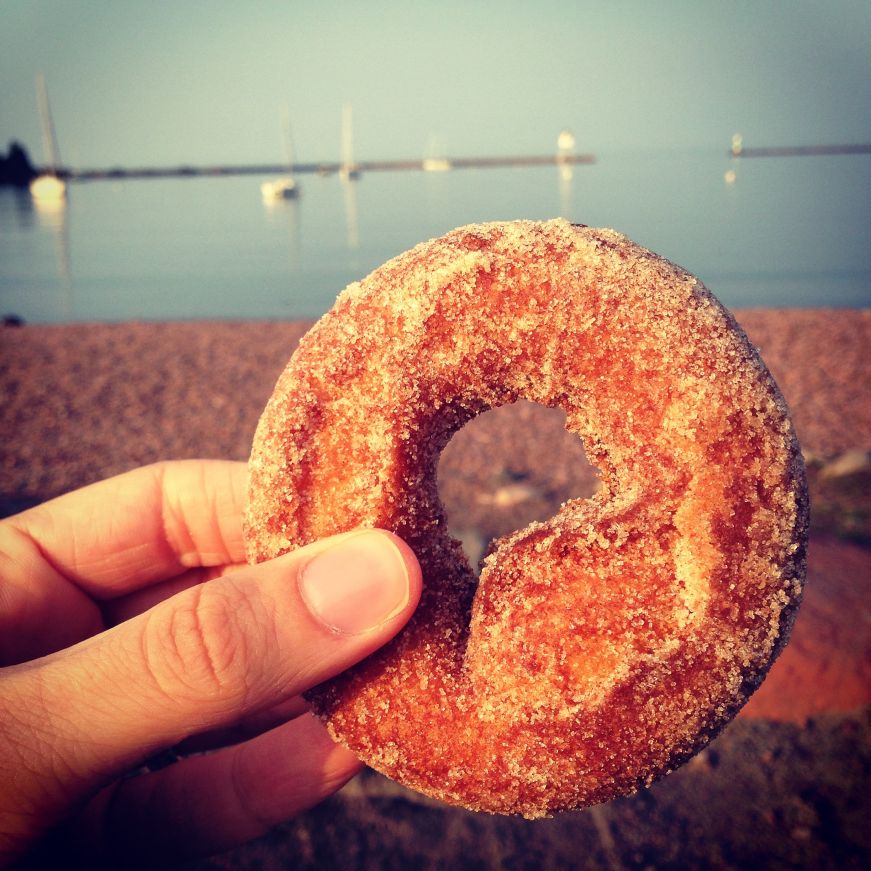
(169, 83)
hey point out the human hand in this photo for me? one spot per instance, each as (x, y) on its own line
(129, 624)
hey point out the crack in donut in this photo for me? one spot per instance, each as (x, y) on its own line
(601, 648)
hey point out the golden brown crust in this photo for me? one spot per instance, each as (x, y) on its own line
(604, 646)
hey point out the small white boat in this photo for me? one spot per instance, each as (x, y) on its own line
(48, 189)
(285, 187)
(436, 164)
(279, 189)
(349, 171)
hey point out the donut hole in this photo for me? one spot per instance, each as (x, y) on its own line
(507, 468)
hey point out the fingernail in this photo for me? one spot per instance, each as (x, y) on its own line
(356, 584)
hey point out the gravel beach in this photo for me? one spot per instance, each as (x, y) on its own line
(785, 786)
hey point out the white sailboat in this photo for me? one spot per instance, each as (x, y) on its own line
(279, 189)
(349, 170)
(285, 187)
(435, 164)
(47, 188)
(432, 161)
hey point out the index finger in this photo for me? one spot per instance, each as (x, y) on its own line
(144, 526)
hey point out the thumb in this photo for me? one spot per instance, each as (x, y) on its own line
(201, 660)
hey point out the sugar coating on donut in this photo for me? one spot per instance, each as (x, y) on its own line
(600, 648)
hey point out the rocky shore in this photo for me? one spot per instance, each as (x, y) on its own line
(787, 784)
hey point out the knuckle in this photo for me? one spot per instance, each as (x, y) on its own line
(200, 648)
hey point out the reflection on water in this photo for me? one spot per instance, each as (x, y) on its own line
(791, 232)
(53, 215)
(566, 174)
(285, 212)
(352, 222)
(48, 218)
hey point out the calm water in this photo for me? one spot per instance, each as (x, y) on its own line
(787, 232)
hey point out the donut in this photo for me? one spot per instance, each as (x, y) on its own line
(601, 648)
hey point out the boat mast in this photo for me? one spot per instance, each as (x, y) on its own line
(347, 136)
(349, 169)
(49, 139)
(287, 134)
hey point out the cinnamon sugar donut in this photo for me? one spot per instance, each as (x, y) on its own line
(602, 647)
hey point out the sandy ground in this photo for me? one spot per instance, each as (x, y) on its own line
(785, 786)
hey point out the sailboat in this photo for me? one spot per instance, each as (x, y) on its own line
(286, 187)
(349, 170)
(47, 188)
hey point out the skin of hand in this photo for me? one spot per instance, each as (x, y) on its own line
(129, 624)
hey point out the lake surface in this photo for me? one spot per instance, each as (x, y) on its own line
(792, 232)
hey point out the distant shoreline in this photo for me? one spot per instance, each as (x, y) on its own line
(325, 167)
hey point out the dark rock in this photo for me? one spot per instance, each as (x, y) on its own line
(16, 168)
